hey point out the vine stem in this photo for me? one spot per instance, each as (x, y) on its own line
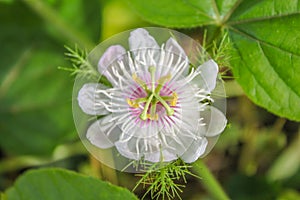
(209, 181)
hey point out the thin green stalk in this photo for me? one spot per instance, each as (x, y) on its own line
(14, 72)
(209, 181)
(52, 17)
(61, 152)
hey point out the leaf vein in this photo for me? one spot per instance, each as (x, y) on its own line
(258, 83)
(243, 21)
(197, 9)
(231, 11)
(261, 41)
(215, 7)
(276, 72)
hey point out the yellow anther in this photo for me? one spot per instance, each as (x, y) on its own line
(155, 117)
(140, 82)
(134, 76)
(129, 102)
(174, 100)
(164, 79)
(132, 103)
(153, 96)
(161, 81)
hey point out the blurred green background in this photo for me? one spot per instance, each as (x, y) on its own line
(257, 157)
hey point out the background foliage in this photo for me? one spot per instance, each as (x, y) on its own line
(258, 157)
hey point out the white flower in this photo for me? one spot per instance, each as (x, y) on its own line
(158, 109)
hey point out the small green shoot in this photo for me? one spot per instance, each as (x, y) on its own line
(163, 182)
(80, 63)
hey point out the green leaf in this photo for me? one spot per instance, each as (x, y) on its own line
(172, 13)
(78, 15)
(184, 13)
(53, 184)
(6, 1)
(68, 22)
(267, 58)
(35, 110)
(216, 9)
(244, 187)
(264, 34)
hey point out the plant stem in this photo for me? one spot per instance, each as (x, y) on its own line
(14, 72)
(61, 152)
(209, 181)
(52, 17)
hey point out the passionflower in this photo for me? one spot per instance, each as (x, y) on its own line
(159, 106)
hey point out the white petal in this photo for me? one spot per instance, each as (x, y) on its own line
(109, 56)
(155, 156)
(88, 97)
(173, 46)
(215, 121)
(196, 149)
(124, 149)
(188, 106)
(139, 142)
(108, 66)
(135, 140)
(177, 140)
(211, 143)
(208, 76)
(175, 60)
(103, 133)
(140, 39)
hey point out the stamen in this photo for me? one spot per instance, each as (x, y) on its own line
(152, 73)
(175, 98)
(132, 103)
(172, 99)
(153, 115)
(141, 100)
(167, 98)
(164, 79)
(135, 103)
(170, 111)
(140, 82)
(153, 96)
(161, 81)
(143, 115)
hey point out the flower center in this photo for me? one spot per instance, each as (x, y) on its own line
(153, 100)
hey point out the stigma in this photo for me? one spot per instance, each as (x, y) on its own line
(154, 104)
